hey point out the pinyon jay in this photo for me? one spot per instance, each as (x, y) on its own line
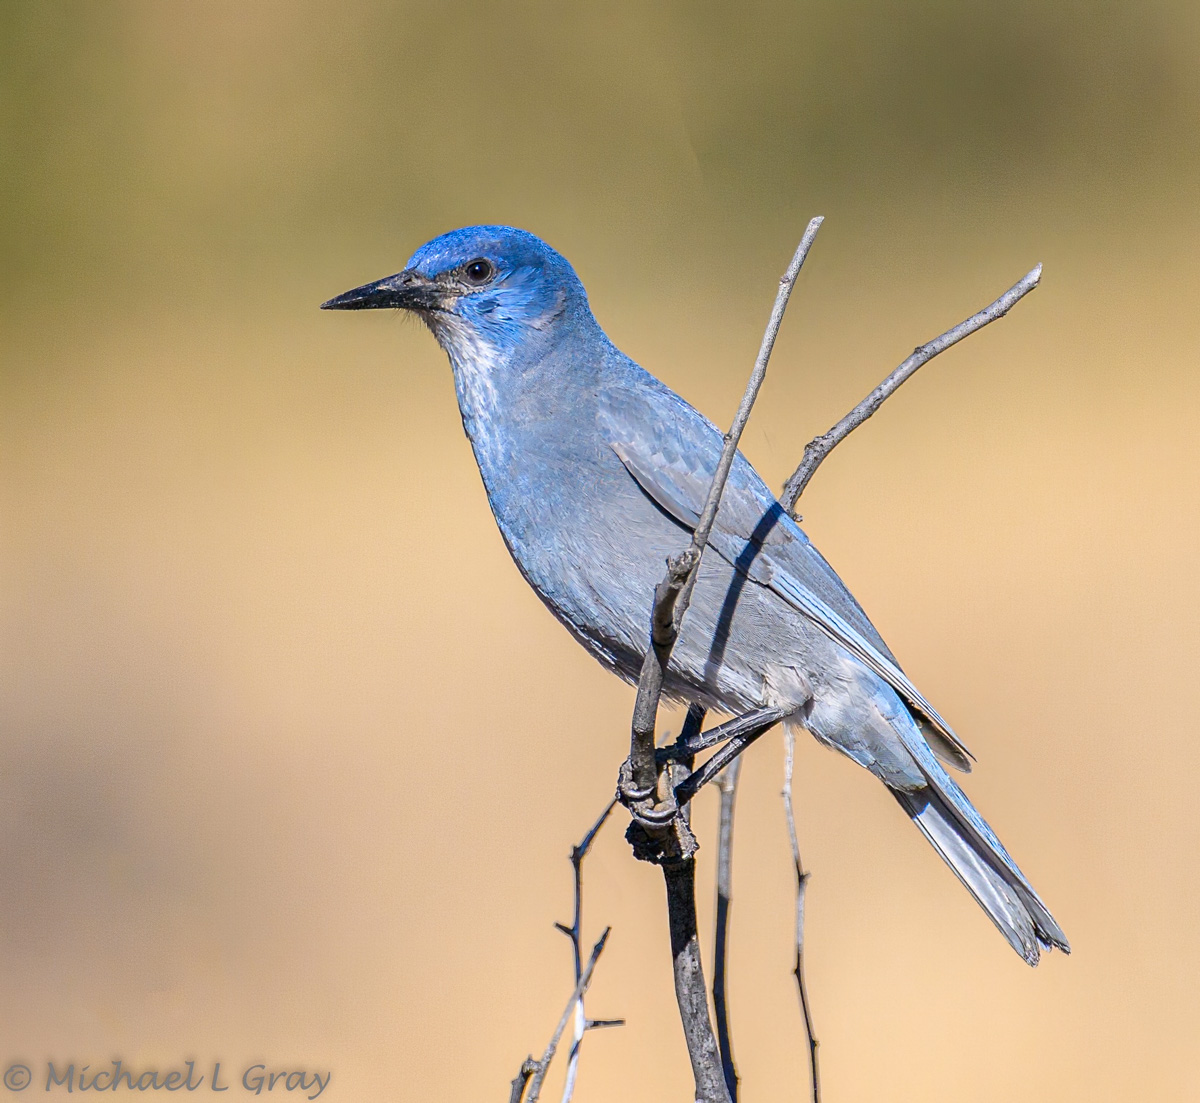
(597, 472)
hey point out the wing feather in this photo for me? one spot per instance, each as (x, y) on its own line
(757, 537)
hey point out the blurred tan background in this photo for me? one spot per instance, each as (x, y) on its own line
(275, 703)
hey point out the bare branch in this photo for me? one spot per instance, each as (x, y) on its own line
(789, 743)
(727, 782)
(533, 1072)
(538, 1073)
(690, 992)
(574, 933)
(660, 831)
(819, 447)
(709, 514)
(815, 453)
(673, 594)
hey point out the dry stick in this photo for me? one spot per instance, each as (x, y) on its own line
(527, 1069)
(727, 783)
(690, 994)
(530, 1067)
(574, 933)
(789, 743)
(672, 595)
(819, 447)
(679, 876)
(671, 598)
(534, 1072)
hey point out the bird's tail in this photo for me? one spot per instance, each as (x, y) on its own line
(969, 847)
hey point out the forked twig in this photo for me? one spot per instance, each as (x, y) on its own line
(532, 1073)
(819, 447)
(574, 933)
(527, 1069)
(815, 453)
(672, 595)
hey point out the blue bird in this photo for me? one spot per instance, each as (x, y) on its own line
(596, 472)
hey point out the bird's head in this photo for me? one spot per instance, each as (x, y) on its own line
(482, 290)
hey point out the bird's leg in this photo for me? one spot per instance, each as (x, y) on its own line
(748, 728)
(656, 810)
(691, 739)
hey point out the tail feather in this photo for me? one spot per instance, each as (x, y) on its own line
(1003, 893)
(971, 849)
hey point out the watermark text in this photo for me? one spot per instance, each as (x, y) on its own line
(187, 1076)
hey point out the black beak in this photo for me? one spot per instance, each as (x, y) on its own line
(406, 291)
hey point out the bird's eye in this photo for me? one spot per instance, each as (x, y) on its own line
(479, 271)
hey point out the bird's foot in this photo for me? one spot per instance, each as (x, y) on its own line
(659, 831)
(643, 801)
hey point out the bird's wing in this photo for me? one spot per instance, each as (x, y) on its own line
(672, 459)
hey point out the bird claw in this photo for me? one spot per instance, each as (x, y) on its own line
(657, 815)
(641, 801)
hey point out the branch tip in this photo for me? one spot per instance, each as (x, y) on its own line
(819, 448)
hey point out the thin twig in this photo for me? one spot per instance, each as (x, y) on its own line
(708, 515)
(789, 743)
(815, 453)
(539, 1071)
(819, 447)
(574, 933)
(727, 782)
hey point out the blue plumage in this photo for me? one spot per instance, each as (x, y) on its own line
(596, 472)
